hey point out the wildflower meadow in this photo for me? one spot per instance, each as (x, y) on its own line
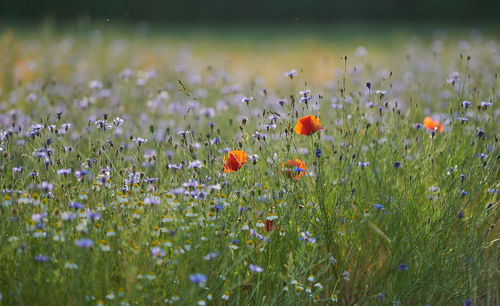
(144, 167)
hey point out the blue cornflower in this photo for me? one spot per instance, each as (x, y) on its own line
(255, 268)
(157, 252)
(485, 105)
(298, 170)
(41, 258)
(211, 256)
(418, 126)
(306, 237)
(64, 171)
(460, 215)
(219, 207)
(84, 243)
(76, 205)
(92, 215)
(468, 302)
(363, 165)
(379, 206)
(198, 278)
(291, 73)
(480, 133)
(80, 174)
(381, 297)
(402, 267)
(466, 104)
(318, 152)
(305, 99)
(397, 164)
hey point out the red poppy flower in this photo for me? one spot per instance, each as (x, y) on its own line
(308, 125)
(234, 160)
(294, 168)
(432, 124)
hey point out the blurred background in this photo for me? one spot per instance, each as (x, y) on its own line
(253, 42)
(257, 11)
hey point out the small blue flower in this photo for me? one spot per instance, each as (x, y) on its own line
(198, 278)
(219, 207)
(397, 164)
(255, 268)
(76, 205)
(84, 243)
(157, 252)
(480, 133)
(318, 152)
(466, 104)
(298, 170)
(306, 237)
(41, 258)
(402, 267)
(379, 206)
(468, 302)
(381, 297)
(211, 256)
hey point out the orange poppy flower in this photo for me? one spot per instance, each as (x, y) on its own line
(432, 124)
(294, 168)
(234, 160)
(308, 125)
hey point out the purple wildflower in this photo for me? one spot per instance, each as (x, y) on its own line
(402, 267)
(256, 269)
(76, 205)
(157, 252)
(379, 207)
(84, 243)
(211, 256)
(41, 258)
(198, 278)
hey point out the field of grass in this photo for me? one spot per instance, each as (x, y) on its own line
(114, 144)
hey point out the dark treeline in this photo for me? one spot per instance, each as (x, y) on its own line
(221, 11)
